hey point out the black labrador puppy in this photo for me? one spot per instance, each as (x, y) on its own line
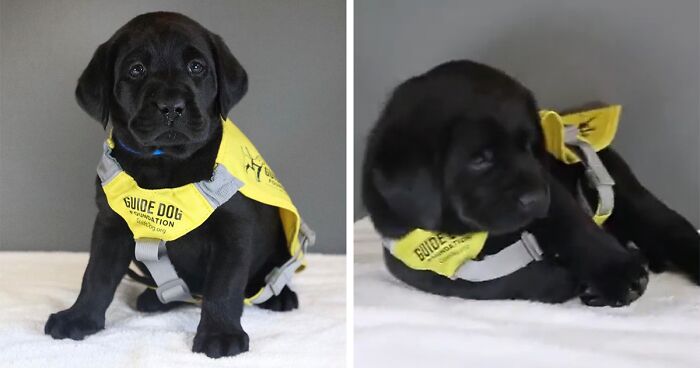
(460, 149)
(155, 66)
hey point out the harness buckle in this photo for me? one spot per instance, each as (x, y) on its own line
(174, 290)
(307, 237)
(531, 245)
(279, 277)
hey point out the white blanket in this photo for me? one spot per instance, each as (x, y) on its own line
(33, 285)
(398, 326)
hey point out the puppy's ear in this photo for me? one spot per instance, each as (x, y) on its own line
(403, 174)
(402, 169)
(411, 192)
(232, 79)
(94, 89)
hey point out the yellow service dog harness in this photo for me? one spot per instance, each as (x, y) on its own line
(571, 139)
(156, 216)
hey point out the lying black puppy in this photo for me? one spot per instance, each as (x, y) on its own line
(164, 83)
(460, 150)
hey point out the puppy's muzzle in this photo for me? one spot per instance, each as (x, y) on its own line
(171, 109)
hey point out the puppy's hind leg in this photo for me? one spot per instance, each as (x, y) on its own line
(286, 301)
(148, 302)
(662, 235)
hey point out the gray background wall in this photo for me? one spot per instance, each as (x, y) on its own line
(294, 52)
(643, 54)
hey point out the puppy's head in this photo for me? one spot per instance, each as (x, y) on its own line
(164, 82)
(458, 149)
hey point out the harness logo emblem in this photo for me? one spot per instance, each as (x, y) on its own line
(586, 128)
(259, 168)
(437, 245)
(253, 163)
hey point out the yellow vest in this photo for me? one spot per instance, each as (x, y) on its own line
(169, 213)
(444, 254)
(596, 127)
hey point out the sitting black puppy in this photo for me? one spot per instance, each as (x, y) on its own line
(164, 83)
(460, 150)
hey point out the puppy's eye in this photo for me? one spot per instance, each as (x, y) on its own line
(195, 67)
(481, 160)
(137, 70)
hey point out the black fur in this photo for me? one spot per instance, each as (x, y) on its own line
(460, 149)
(225, 259)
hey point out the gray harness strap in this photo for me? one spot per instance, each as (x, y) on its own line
(597, 174)
(220, 188)
(508, 260)
(108, 167)
(281, 276)
(154, 256)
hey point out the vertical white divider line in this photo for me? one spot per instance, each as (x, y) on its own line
(349, 192)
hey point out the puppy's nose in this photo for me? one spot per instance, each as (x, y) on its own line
(171, 108)
(534, 202)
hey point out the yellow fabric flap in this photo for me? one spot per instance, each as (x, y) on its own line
(157, 213)
(597, 127)
(438, 252)
(243, 161)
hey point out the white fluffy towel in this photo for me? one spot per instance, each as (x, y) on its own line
(398, 326)
(35, 284)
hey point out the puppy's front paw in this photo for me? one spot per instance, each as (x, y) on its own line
(559, 286)
(68, 324)
(617, 281)
(220, 344)
(286, 301)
